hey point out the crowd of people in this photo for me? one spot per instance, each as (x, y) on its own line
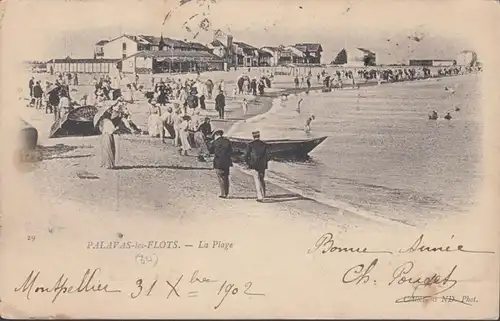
(176, 106)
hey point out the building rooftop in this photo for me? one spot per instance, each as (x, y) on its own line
(308, 46)
(81, 60)
(177, 55)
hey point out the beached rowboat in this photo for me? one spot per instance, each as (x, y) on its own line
(79, 122)
(281, 148)
(28, 136)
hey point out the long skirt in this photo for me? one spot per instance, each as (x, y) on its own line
(199, 140)
(184, 140)
(108, 151)
(154, 125)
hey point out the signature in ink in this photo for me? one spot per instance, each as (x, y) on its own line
(435, 284)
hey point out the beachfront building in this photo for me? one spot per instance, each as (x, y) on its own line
(291, 55)
(128, 45)
(246, 55)
(94, 66)
(355, 57)
(162, 61)
(311, 52)
(99, 49)
(432, 62)
(265, 58)
(218, 48)
(467, 58)
(275, 53)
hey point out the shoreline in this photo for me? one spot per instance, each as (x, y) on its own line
(151, 176)
(270, 102)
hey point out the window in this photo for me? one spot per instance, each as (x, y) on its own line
(124, 46)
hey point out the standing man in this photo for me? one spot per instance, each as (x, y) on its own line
(31, 86)
(256, 157)
(222, 150)
(220, 104)
(38, 94)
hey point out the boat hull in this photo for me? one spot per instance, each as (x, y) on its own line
(281, 148)
(28, 137)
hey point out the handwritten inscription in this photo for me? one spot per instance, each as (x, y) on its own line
(176, 287)
(326, 244)
(87, 283)
(419, 246)
(431, 287)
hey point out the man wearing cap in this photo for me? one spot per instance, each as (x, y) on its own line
(256, 157)
(222, 150)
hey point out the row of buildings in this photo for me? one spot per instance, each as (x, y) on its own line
(150, 54)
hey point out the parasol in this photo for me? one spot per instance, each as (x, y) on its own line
(51, 88)
(106, 106)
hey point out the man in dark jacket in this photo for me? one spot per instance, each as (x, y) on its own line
(220, 104)
(222, 150)
(256, 157)
(38, 94)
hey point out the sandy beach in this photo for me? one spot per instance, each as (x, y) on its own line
(153, 181)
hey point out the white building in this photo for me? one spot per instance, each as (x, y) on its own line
(466, 58)
(275, 54)
(128, 45)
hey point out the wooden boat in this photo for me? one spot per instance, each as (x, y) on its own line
(78, 122)
(281, 148)
(28, 136)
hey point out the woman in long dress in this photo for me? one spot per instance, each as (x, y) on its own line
(108, 147)
(155, 125)
(184, 133)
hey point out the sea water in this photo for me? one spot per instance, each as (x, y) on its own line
(383, 155)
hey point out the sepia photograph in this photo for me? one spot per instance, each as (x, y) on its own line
(249, 159)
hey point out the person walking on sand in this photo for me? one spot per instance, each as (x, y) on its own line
(222, 150)
(244, 106)
(108, 146)
(257, 157)
(298, 105)
(307, 127)
(220, 104)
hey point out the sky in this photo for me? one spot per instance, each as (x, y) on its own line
(58, 28)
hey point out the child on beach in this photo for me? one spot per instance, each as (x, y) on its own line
(307, 127)
(244, 106)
